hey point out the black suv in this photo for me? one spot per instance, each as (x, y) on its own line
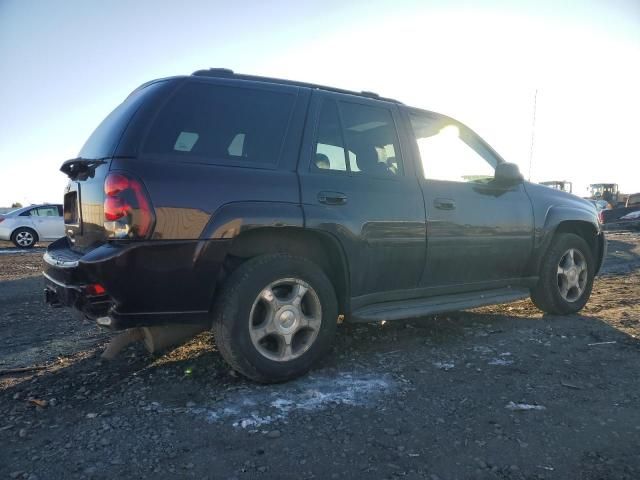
(268, 208)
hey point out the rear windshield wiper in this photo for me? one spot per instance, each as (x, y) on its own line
(81, 168)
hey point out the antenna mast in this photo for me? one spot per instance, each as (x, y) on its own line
(533, 131)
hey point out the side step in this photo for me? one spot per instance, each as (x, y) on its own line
(421, 307)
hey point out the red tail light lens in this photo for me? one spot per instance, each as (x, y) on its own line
(601, 216)
(115, 209)
(127, 210)
(115, 183)
(95, 289)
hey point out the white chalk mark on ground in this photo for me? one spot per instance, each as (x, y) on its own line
(444, 365)
(523, 407)
(255, 407)
(500, 360)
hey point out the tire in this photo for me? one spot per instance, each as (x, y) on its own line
(564, 293)
(24, 237)
(256, 299)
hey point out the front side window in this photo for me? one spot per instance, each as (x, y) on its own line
(356, 138)
(214, 123)
(451, 153)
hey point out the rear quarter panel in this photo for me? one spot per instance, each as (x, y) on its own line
(200, 207)
(187, 194)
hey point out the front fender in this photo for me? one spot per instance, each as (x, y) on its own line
(556, 216)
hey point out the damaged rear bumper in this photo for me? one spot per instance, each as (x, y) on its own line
(138, 283)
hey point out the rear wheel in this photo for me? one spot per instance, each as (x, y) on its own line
(565, 277)
(24, 237)
(275, 316)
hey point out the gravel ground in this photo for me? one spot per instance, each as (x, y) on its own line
(499, 393)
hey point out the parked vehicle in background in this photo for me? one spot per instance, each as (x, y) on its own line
(28, 225)
(633, 200)
(562, 185)
(267, 208)
(622, 216)
(608, 192)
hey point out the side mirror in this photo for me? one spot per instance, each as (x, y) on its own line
(508, 174)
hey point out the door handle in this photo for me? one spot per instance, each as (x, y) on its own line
(444, 204)
(332, 198)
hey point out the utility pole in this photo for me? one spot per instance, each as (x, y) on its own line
(533, 131)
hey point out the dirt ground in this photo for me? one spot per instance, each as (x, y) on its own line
(498, 393)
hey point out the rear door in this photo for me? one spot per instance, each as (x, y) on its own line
(479, 234)
(48, 222)
(357, 187)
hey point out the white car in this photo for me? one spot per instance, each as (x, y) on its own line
(26, 226)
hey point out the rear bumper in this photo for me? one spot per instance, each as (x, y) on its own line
(5, 232)
(146, 283)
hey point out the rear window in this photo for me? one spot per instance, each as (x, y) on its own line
(207, 123)
(104, 139)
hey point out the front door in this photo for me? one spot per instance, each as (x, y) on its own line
(357, 187)
(479, 234)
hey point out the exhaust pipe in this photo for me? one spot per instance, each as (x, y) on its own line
(155, 339)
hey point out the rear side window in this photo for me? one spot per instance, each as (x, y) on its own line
(207, 123)
(104, 139)
(330, 152)
(51, 211)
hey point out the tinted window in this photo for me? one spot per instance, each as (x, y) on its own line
(370, 134)
(450, 152)
(104, 140)
(213, 123)
(358, 139)
(329, 144)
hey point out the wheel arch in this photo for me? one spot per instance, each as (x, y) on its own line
(581, 222)
(317, 246)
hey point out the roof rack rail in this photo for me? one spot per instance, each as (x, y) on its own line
(214, 72)
(228, 73)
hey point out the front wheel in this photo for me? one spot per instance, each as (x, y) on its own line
(275, 316)
(566, 276)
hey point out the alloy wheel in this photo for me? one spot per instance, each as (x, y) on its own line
(285, 319)
(572, 275)
(24, 239)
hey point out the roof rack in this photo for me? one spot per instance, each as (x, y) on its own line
(228, 73)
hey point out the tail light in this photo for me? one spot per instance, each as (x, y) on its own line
(127, 210)
(1, 219)
(95, 290)
(601, 216)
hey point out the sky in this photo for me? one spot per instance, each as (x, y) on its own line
(64, 65)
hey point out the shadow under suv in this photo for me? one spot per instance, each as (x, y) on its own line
(267, 208)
